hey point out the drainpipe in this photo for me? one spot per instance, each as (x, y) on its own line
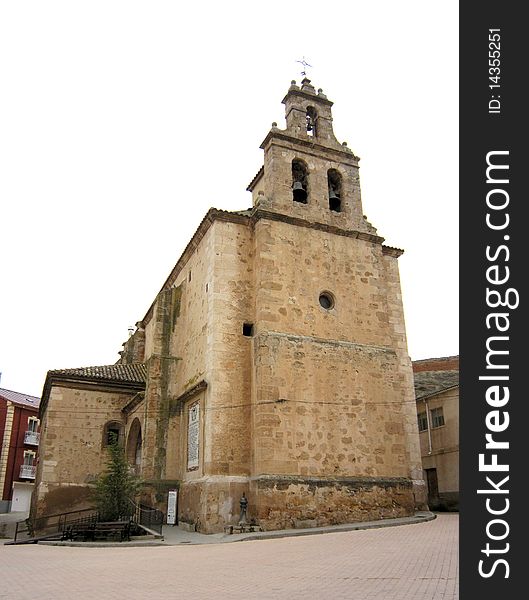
(428, 426)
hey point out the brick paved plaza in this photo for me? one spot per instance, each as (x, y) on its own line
(411, 562)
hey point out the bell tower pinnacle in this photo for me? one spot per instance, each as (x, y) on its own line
(307, 172)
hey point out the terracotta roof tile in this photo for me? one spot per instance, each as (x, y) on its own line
(428, 383)
(133, 373)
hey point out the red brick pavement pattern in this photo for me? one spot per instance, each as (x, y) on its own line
(411, 562)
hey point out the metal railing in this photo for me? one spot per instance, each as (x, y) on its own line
(27, 471)
(31, 438)
(56, 523)
(149, 517)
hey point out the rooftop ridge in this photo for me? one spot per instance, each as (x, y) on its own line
(19, 398)
(133, 372)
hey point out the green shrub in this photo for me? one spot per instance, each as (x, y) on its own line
(116, 487)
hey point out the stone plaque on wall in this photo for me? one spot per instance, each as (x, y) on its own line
(193, 436)
(172, 503)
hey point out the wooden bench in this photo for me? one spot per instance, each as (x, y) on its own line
(75, 531)
(104, 530)
(97, 531)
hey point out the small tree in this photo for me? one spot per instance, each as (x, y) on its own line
(116, 486)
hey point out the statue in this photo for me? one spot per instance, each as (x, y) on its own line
(244, 507)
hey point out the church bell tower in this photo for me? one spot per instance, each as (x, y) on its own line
(307, 172)
(334, 428)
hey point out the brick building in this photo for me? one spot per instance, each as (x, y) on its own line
(273, 362)
(19, 437)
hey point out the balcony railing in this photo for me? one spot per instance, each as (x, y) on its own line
(27, 471)
(32, 438)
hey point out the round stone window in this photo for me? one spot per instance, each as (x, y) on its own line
(326, 300)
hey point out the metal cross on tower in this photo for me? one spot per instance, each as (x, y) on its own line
(305, 64)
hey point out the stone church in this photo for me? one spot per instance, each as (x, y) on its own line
(273, 361)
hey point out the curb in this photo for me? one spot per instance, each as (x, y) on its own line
(419, 517)
(269, 535)
(148, 543)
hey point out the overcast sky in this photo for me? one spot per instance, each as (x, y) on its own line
(122, 122)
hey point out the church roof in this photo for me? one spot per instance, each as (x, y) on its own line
(244, 213)
(256, 178)
(133, 373)
(428, 383)
(18, 398)
(441, 363)
(118, 376)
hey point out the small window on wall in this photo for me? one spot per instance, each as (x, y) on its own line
(33, 424)
(423, 421)
(326, 300)
(29, 458)
(112, 433)
(438, 419)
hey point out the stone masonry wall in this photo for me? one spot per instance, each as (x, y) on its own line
(332, 387)
(227, 424)
(398, 333)
(176, 337)
(290, 502)
(202, 340)
(311, 393)
(72, 449)
(327, 408)
(295, 264)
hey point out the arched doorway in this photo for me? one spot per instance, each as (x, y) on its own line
(134, 446)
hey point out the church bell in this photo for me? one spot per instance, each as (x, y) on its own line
(300, 195)
(334, 200)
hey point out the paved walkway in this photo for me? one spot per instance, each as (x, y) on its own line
(408, 562)
(175, 535)
(8, 523)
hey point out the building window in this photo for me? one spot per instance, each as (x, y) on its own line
(326, 300)
(247, 329)
(31, 435)
(112, 433)
(29, 457)
(438, 419)
(423, 421)
(28, 468)
(33, 424)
